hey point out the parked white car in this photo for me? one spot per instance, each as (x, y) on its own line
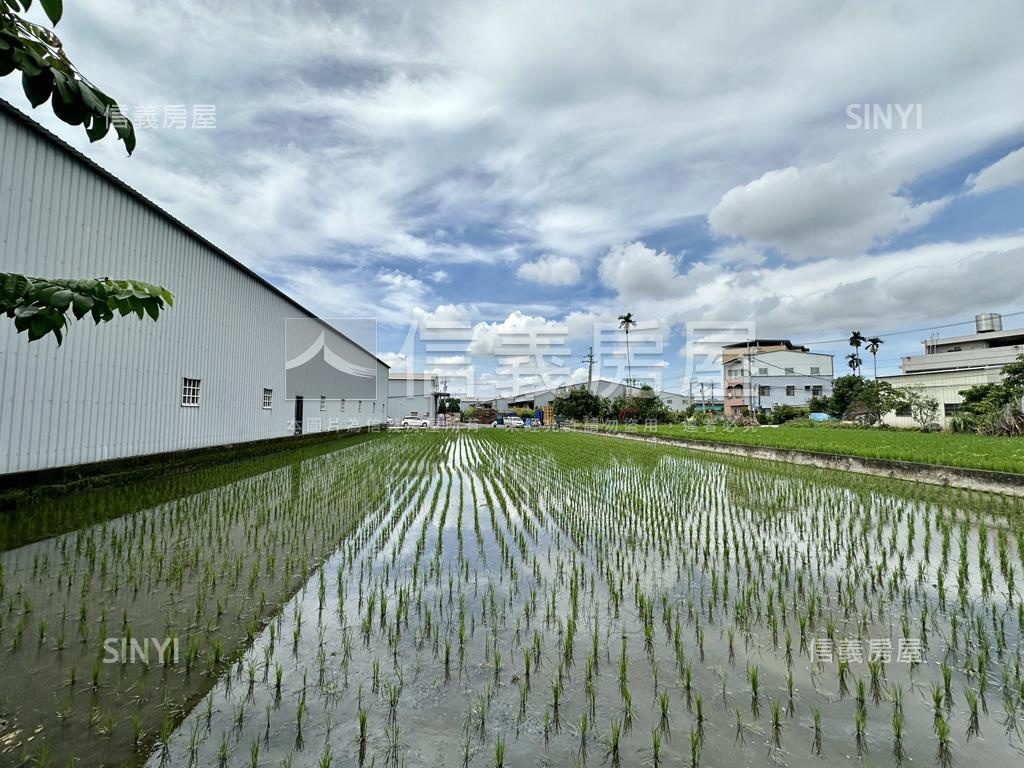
(415, 421)
(513, 422)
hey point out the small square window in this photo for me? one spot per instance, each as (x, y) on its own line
(762, 371)
(268, 399)
(816, 391)
(815, 370)
(764, 391)
(789, 371)
(790, 391)
(323, 402)
(190, 392)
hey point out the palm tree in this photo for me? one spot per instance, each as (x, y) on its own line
(873, 344)
(856, 339)
(854, 361)
(626, 322)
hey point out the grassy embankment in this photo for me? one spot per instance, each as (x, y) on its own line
(1000, 454)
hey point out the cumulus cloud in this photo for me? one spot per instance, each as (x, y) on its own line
(1005, 172)
(636, 271)
(517, 335)
(824, 210)
(891, 288)
(550, 270)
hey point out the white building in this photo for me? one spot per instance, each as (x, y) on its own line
(234, 361)
(541, 397)
(413, 394)
(762, 374)
(955, 363)
(675, 401)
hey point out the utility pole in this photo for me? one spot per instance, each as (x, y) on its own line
(589, 360)
(703, 400)
(750, 380)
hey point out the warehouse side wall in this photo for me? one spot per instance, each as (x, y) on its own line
(115, 390)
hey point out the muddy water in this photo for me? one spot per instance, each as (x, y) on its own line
(678, 575)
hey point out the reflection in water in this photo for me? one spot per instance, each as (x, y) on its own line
(556, 600)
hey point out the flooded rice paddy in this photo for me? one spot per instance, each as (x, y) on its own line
(498, 598)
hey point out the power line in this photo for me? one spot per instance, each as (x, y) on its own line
(913, 330)
(888, 334)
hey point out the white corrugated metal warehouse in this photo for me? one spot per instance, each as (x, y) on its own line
(226, 365)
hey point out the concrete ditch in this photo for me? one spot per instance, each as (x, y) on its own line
(1007, 483)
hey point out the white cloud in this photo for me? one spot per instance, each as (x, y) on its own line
(551, 270)
(1005, 172)
(378, 123)
(824, 210)
(891, 289)
(635, 271)
(389, 296)
(398, 361)
(517, 332)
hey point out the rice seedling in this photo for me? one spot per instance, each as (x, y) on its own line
(754, 677)
(944, 751)
(613, 751)
(663, 705)
(696, 748)
(973, 722)
(610, 572)
(655, 760)
(499, 752)
(818, 740)
(860, 724)
(776, 717)
(898, 753)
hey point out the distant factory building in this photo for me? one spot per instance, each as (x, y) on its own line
(414, 394)
(952, 364)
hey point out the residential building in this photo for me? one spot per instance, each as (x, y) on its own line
(761, 374)
(235, 361)
(414, 394)
(952, 364)
(676, 402)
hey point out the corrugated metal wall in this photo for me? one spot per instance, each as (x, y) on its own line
(115, 390)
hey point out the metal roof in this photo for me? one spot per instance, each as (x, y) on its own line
(974, 337)
(765, 343)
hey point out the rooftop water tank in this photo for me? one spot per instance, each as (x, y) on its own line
(987, 322)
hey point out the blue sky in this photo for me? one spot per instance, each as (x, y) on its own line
(541, 168)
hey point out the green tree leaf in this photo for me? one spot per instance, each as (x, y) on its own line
(39, 87)
(81, 304)
(40, 305)
(54, 9)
